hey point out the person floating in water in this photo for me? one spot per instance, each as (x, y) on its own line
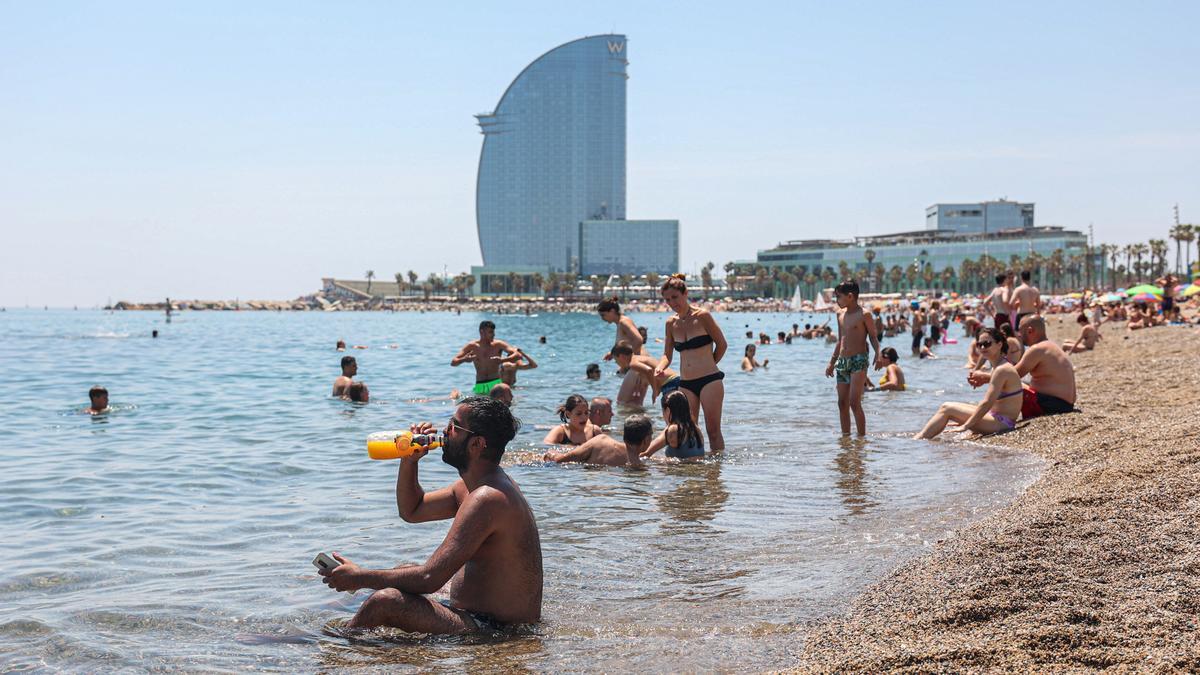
(343, 381)
(849, 360)
(341, 346)
(98, 397)
(487, 353)
(491, 557)
(503, 393)
(644, 366)
(576, 427)
(1000, 407)
(608, 451)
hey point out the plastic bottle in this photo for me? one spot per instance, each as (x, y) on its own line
(397, 444)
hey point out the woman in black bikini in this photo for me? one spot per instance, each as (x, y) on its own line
(575, 427)
(694, 333)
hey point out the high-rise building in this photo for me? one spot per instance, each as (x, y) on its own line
(980, 217)
(553, 157)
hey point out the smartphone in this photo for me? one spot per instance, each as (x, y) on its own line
(324, 561)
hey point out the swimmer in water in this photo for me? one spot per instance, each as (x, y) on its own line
(608, 451)
(343, 381)
(600, 412)
(576, 428)
(99, 401)
(503, 393)
(681, 437)
(486, 353)
(341, 346)
(749, 362)
(593, 371)
(644, 366)
(358, 393)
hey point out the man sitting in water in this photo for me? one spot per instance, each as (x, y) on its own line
(486, 353)
(343, 381)
(1051, 390)
(358, 392)
(600, 411)
(609, 451)
(491, 557)
(1087, 339)
(99, 401)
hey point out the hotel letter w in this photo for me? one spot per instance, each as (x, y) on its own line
(616, 47)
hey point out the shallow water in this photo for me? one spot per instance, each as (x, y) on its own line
(177, 530)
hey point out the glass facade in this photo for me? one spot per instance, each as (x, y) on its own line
(628, 246)
(553, 155)
(980, 217)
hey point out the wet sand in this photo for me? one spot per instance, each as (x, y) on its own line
(1097, 565)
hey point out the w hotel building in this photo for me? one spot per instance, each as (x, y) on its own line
(550, 193)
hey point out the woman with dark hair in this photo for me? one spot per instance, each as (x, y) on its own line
(681, 438)
(893, 377)
(576, 427)
(694, 333)
(1015, 348)
(1002, 405)
(633, 388)
(749, 362)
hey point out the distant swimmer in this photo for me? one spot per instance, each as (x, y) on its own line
(487, 353)
(576, 427)
(749, 362)
(600, 412)
(999, 409)
(850, 360)
(660, 383)
(893, 377)
(343, 381)
(608, 451)
(1087, 339)
(358, 392)
(518, 360)
(154, 333)
(503, 393)
(491, 557)
(99, 401)
(593, 371)
(341, 345)
(681, 437)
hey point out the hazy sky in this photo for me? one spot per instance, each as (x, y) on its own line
(232, 149)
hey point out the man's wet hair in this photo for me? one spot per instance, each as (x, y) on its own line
(1025, 275)
(592, 368)
(847, 287)
(348, 361)
(637, 429)
(622, 348)
(96, 392)
(493, 421)
(356, 390)
(487, 324)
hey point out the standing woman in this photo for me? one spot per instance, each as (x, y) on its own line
(633, 387)
(693, 332)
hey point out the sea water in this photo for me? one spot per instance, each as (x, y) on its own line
(177, 530)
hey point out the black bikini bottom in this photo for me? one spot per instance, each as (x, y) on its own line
(697, 385)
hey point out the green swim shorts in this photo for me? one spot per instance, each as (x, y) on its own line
(484, 388)
(848, 365)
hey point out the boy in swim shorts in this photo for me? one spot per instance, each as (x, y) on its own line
(849, 360)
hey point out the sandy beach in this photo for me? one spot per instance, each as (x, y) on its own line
(1096, 565)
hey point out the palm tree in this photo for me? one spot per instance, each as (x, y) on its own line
(652, 278)
(869, 254)
(706, 277)
(810, 280)
(625, 281)
(827, 276)
(1175, 236)
(760, 280)
(1140, 250)
(1114, 253)
(598, 284)
(927, 275)
(538, 282)
(947, 277)
(552, 283)
(370, 276)
(911, 274)
(1158, 256)
(895, 275)
(495, 283)
(1190, 233)
(399, 283)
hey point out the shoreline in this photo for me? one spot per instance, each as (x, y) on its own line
(1095, 565)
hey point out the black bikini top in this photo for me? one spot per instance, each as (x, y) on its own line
(694, 343)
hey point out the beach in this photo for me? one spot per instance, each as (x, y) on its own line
(1095, 565)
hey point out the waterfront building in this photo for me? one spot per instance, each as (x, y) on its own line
(628, 246)
(553, 158)
(979, 218)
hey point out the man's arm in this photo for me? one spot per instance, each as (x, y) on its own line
(472, 526)
(581, 454)
(417, 506)
(467, 353)
(1078, 341)
(869, 324)
(718, 336)
(1029, 360)
(529, 363)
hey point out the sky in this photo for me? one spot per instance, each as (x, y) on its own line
(221, 150)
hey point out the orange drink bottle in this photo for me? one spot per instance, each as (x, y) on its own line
(397, 444)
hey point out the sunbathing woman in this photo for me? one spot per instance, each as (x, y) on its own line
(575, 427)
(1002, 405)
(694, 333)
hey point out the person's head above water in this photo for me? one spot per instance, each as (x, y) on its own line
(677, 410)
(890, 354)
(349, 366)
(674, 292)
(600, 411)
(622, 353)
(609, 309)
(503, 393)
(593, 371)
(751, 349)
(98, 396)
(638, 432)
(358, 392)
(479, 430)
(574, 411)
(487, 331)
(341, 345)
(846, 293)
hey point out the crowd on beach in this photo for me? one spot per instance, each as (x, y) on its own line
(490, 561)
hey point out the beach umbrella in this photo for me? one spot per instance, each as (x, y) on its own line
(1074, 296)
(1190, 291)
(1144, 288)
(1114, 297)
(1146, 297)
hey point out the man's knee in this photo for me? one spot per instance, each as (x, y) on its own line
(389, 598)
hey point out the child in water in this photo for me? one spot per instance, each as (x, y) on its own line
(681, 438)
(849, 359)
